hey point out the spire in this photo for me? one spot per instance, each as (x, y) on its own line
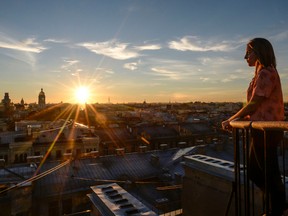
(41, 99)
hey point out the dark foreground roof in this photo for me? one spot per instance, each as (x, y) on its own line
(79, 175)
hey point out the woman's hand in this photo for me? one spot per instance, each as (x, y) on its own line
(226, 125)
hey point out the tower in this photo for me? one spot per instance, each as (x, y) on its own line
(7, 105)
(41, 99)
(6, 100)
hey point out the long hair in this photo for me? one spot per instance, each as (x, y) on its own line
(264, 51)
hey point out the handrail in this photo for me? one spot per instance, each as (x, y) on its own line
(270, 125)
(261, 125)
(240, 124)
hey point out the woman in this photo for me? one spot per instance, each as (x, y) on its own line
(264, 103)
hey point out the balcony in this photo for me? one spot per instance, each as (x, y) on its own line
(243, 189)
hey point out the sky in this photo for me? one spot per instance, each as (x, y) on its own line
(125, 51)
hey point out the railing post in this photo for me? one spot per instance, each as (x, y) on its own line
(237, 185)
(246, 171)
(283, 164)
(266, 174)
(244, 126)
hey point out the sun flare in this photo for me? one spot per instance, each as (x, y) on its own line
(82, 94)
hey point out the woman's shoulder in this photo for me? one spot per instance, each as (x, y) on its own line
(267, 72)
(269, 69)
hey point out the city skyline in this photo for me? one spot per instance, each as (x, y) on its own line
(134, 51)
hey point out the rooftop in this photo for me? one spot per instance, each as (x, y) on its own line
(113, 199)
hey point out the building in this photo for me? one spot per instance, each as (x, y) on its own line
(6, 100)
(208, 188)
(19, 200)
(111, 199)
(6, 107)
(41, 99)
(40, 138)
(62, 186)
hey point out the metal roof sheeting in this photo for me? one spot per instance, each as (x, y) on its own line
(81, 174)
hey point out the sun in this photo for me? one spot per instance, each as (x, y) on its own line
(82, 94)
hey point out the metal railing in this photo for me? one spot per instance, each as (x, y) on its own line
(243, 187)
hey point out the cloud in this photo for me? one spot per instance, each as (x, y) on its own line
(172, 69)
(105, 70)
(69, 63)
(231, 78)
(131, 66)
(218, 61)
(55, 40)
(149, 47)
(102, 73)
(20, 50)
(69, 66)
(112, 49)
(76, 74)
(205, 79)
(28, 45)
(166, 73)
(192, 43)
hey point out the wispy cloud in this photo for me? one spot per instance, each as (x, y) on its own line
(166, 73)
(149, 47)
(70, 66)
(112, 49)
(105, 70)
(52, 40)
(27, 45)
(102, 73)
(218, 61)
(24, 51)
(193, 43)
(132, 65)
(68, 63)
(205, 79)
(71, 62)
(230, 78)
(167, 69)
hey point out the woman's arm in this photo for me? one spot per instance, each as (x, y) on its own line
(248, 109)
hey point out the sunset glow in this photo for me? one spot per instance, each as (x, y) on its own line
(82, 95)
(184, 56)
